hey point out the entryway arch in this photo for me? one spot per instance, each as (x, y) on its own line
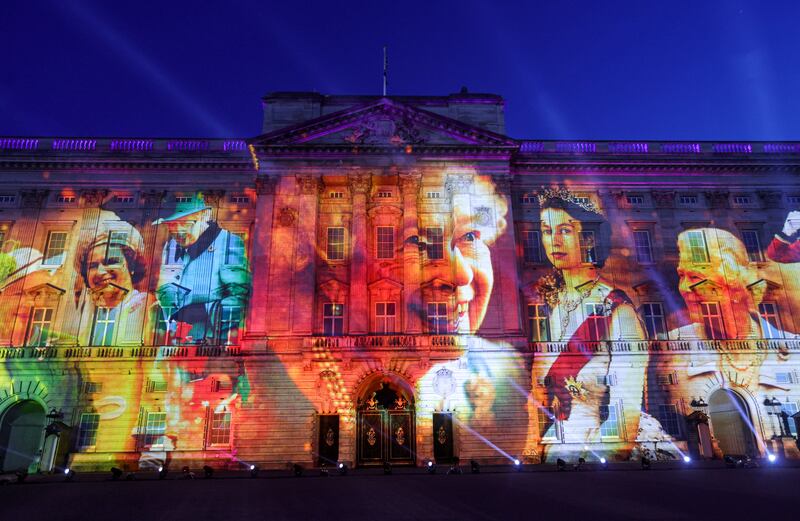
(731, 421)
(386, 421)
(21, 436)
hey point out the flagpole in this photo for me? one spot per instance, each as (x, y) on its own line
(385, 68)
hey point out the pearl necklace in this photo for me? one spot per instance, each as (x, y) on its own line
(572, 305)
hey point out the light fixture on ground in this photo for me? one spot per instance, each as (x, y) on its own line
(687, 459)
(475, 467)
(208, 472)
(116, 473)
(342, 469)
(162, 472)
(561, 465)
(187, 473)
(772, 458)
(323, 470)
(517, 465)
(430, 467)
(254, 471)
(645, 463)
(297, 470)
(387, 468)
(603, 463)
(69, 474)
(579, 464)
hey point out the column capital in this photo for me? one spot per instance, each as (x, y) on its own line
(359, 183)
(213, 197)
(34, 198)
(308, 184)
(266, 184)
(502, 183)
(153, 198)
(93, 198)
(409, 183)
(663, 198)
(457, 184)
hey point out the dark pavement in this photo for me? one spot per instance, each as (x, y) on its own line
(629, 493)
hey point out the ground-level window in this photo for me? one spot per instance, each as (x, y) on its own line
(87, 430)
(610, 427)
(155, 428)
(220, 432)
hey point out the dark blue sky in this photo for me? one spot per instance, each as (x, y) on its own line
(716, 70)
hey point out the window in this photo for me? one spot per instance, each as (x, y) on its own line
(384, 195)
(784, 378)
(581, 200)
(668, 416)
(229, 321)
(7, 199)
(528, 199)
(156, 386)
(163, 334)
(336, 195)
(175, 251)
(435, 247)
(688, 200)
(155, 428)
(333, 319)
(235, 253)
(65, 199)
(606, 379)
(644, 251)
(635, 200)
(793, 199)
(335, 249)
(103, 331)
(433, 195)
(385, 317)
(597, 325)
(437, 318)
(240, 199)
(182, 199)
(712, 320)
(220, 432)
(697, 246)
(539, 322)
(123, 199)
(532, 246)
(610, 427)
(55, 249)
(666, 379)
(113, 251)
(547, 423)
(39, 327)
(588, 253)
(92, 387)
(790, 408)
(770, 321)
(384, 237)
(742, 199)
(87, 430)
(653, 315)
(752, 245)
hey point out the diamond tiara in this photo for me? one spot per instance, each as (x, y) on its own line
(565, 195)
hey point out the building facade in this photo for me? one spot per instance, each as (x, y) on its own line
(395, 280)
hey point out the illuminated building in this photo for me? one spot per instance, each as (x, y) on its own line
(371, 280)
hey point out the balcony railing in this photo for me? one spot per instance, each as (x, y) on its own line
(655, 346)
(386, 342)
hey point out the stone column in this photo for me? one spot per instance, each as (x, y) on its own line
(359, 299)
(412, 270)
(506, 262)
(259, 257)
(304, 273)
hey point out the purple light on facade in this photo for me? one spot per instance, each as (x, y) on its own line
(573, 147)
(531, 147)
(681, 148)
(15, 143)
(187, 145)
(131, 145)
(237, 145)
(782, 148)
(732, 148)
(628, 148)
(74, 144)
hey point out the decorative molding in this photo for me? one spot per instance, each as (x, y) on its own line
(458, 184)
(33, 198)
(287, 217)
(770, 198)
(360, 183)
(717, 198)
(214, 197)
(153, 198)
(663, 199)
(409, 183)
(93, 198)
(266, 185)
(309, 185)
(502, 183)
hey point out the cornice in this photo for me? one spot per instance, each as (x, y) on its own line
(95, 164)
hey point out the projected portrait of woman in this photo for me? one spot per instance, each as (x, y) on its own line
(582, 401)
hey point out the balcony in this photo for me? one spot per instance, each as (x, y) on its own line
(667, 346)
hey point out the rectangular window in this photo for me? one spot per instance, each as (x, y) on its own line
(437, 318)
(666, 379)
(790, 408)
(784, 378)
(92, 387)
(7, 199)
(230, 319)
(163, 334)
(155, 428)
(113, 249)
(39, 327)
(605, 379)
(644, 251)
(433, 195)
(532, 246)
(240, 199)
(333, 319)
(635, 200)
(103, 331)
(539, 322)
(697, 246)
(610, 427)
(235, 253)
(547, 423)
(688, 200)
(182, 199)
(384, 237)
(793, 199)
(653, 315)
(770, 320)
(2, 238)
(668, 416)
(528, 199)
(220, 432)
(435, 245)
(65, 199)
(385, 315)
(175, 251)
(752, 245)
(588, 253)
(156, 386)
(742, 199)
(384, 195)
(712, 320)
(55, 249)
(335, 248)
(123, 199)
(87, 430)
(336, 195)
(597, 324)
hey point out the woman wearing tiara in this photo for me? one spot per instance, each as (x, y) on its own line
(591, 394)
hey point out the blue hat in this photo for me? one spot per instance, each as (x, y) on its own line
(182, 209)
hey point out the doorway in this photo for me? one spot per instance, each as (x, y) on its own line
(386, 425)
(730, 422)
(21, 435)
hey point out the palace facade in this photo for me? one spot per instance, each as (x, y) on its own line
(393, 279)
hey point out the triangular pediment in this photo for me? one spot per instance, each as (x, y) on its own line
(383, 123)
(439, 284)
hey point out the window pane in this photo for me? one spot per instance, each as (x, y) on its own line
(54, 253)
(697, 246)
(610, 427)
(385, 242)
(770, 321)
(220, 428)
(531, 246)
(335, 249)
(644, 252)
(435, 244)
(752, 245)
(588, 253)
(87, 431)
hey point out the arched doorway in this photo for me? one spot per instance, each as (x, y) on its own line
(730, 422)
(386, 424)
(21, 434)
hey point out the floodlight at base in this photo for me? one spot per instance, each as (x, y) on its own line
(561, 464)
(387, 468)
(253, 471)
(116, 473)
(431, 468)
(69, 474)
(297, 469)
(645, 463)
(208, 472)
(603, 461)
(342, 469)
(772, 458)
(687, 459)
(517, 465)
(475, 467)
(162, 472)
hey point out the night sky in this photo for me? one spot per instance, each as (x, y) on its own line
(694, 70)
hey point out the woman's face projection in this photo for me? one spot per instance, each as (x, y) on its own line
(561, 238)
(474, 277)
(109, 278)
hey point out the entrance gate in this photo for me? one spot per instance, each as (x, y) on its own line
(386, 428)
(730, 420)
(21, 435)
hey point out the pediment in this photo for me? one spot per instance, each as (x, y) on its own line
(439, 284)
(705, 283)
(647, 287)
(45, 290)
(383, 123)
(385, 284)
(334, 290)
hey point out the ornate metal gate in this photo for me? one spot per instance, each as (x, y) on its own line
(386, 429)
(328, 441)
